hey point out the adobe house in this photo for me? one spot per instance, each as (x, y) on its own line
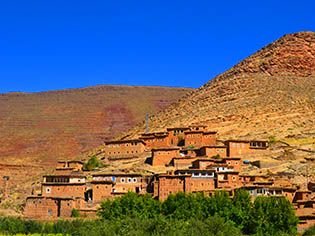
(163, 156)
(193, 138)
(169, 184)
(177, 136)
(155, 140)
(114, 184)
(202, 163)
(40, 207)
(234, 162)
(211, 151)
(228, 179)
(123, 148)
(101, 189)
(69, 166)
(190, 152)
(255, 191)
(182, 162)
(199, 138)
(220, 166)
(200, 181)
(255, 179)
(236, 148)
(72, 185)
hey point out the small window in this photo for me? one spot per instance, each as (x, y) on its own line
(122, 180)
(129, 180)
(48, 190)
(135, 180)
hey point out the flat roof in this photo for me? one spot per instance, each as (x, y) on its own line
(50, 197)
(244, 141)
(102, 182)
(70, 161)
(184, 158)
(173, 176)
(66, 175)
(194, 132)
(228, 172)
(213, 146)
(178, 128)
(165, 149)
(194, 170)
(117, 174)
(125, 141)
(61, 183)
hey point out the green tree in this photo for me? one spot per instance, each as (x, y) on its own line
(241, 207)
(184, 206)
(272, 216)
(130, 205)
(220, 205)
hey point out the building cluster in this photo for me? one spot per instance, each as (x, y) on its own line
(200, 163)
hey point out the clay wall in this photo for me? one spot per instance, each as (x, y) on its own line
(63, 190)
(162, 157)
(130, 148)
(212, 151)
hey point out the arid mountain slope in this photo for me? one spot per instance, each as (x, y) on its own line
(62, 124)
(38, 129)
(271, 92)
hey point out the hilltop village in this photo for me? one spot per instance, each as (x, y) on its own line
(200, 163)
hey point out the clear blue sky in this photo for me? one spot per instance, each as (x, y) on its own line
(46, 45)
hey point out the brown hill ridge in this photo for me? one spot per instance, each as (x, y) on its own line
(38, 129)
(271, 92)
(62, 124)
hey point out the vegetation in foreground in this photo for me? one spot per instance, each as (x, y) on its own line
(180, 214)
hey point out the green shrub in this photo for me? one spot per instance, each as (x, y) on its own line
(92, 164)
(75, 213)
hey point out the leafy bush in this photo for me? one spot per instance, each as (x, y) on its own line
(92, 164)
(75, 213)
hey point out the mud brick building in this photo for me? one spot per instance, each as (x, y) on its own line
(211, 151)
(110, 185)
(228, 180)
(155, 140)
(234, 162)
(124, 148)
(164, 156)
(69, 166)
(177, 136)
(199, 181)
(198, 138)
(72, 185)
(166, 185)
(182, 162)
(237, 148)
(203, 163)
(41, 207)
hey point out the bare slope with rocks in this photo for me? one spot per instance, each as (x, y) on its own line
(271, 93)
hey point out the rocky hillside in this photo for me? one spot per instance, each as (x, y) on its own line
(271, 93)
